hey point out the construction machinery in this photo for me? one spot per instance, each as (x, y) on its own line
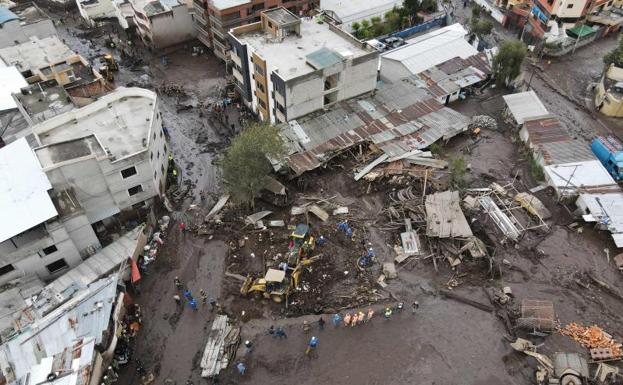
(111, 62)
(301, 245)
(276, 284)
(106, 72)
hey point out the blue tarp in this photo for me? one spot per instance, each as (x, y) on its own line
(6, 15)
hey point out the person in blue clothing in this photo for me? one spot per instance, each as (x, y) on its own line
(193, 304)
(337, 319)
(321, 241)
(313, 342)
(188, 295)
(242, 369)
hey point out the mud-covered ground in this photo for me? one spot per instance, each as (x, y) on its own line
(445, 342)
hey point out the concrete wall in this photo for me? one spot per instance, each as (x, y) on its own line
(100, 9)
(172, 28)
(306, 93)
(393, 70)
(13, 32)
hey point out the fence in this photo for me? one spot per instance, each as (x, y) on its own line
(437, 21)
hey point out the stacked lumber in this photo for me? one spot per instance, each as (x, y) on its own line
(221, 347)
(592, 337)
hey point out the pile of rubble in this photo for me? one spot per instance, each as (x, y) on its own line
(483, 122)
(593, 337)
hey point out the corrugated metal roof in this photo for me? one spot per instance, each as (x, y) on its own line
(605, 208)
(575, 177)
(431, 49)
(569, 151)
(399, 117)
(6, 15)
(545, 130)
(82, 319)
(525, 105)
(100, 264)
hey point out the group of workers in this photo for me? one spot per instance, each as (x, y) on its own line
(188, 296)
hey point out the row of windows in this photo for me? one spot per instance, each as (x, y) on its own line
(53, 267)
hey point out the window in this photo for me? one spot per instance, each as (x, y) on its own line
(155, 174)
(49, 250)
(258, 69)
(161, 133)
(151, 155)
(262, 103)
(154, 136)
(270, 25)
(162, 169)
(164, 148)
(158, 155)
(260, 87)
(6, 269)
(135, 190)
(57, 266)
(128, 172)
(569, 5)
(138, 205)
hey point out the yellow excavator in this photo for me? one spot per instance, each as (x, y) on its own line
(276, 284)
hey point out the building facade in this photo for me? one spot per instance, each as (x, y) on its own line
(92, 163)
(214, 18)
(286, 67)
(163, 23)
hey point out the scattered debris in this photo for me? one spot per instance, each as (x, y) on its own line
(340, 210)
(536, 316)
(467, 301)
(371, 166)
(254, 218)
(483, 121)
(217, 207)
(320, 213)
(389, 270)
(502, 220)
(592, 337)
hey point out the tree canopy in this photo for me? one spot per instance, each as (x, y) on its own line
(245, 166)
(507, 63)
(615, 56)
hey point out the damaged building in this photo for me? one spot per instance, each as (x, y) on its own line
(286, 67)
(93, 163)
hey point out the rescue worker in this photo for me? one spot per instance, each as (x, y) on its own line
(178, 283)
(347, 319)
(241, 368)
(193, 304)
(313, 342)
(370, 314)
(204, 296)
(321, 241)
(248, 347)
(177, 299)
(182, 227)
(280, 333)
(388, 313)
(271, 331)
(400, 306)
(414, 306)
(306, 327)
(337, 319)
(321, 323)
(212, 302)
(361, 317)
(188, 295)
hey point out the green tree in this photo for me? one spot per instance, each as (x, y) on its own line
(481, 27)
(615, 56)
(507, 63)
(245, 166)
(375, 20)
(356, 27)
(428, 6)
(458, 169)
(365, 24)
(476, 10)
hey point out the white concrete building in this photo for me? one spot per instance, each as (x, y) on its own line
(346, 12)
(89, 164)
(22, 22)
(163, 23)
(286, 67)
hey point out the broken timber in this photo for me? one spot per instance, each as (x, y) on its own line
(444, 217)
(221, 348)
(467, 301)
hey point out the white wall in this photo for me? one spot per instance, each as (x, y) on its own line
(172, 27)
(562, 8)
(393, 70)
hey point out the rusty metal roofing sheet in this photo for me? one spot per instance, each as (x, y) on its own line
(545, 130)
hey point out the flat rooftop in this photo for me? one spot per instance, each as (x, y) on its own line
(44, 100)
(290, 54)
(121, 121)
(349, 10)
(56, 153)
(224, 4)
(37, 53)
(525, 106)
(24, 199)
(155, 7)
(11, 81)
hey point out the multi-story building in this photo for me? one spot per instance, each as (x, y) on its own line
(89, 165)
(22, 22)
(286, 67)
(163, 23)
(214, 18)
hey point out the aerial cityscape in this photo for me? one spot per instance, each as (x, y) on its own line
(332, 192)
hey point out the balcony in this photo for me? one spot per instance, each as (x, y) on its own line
(238, 75)
(200, 4)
